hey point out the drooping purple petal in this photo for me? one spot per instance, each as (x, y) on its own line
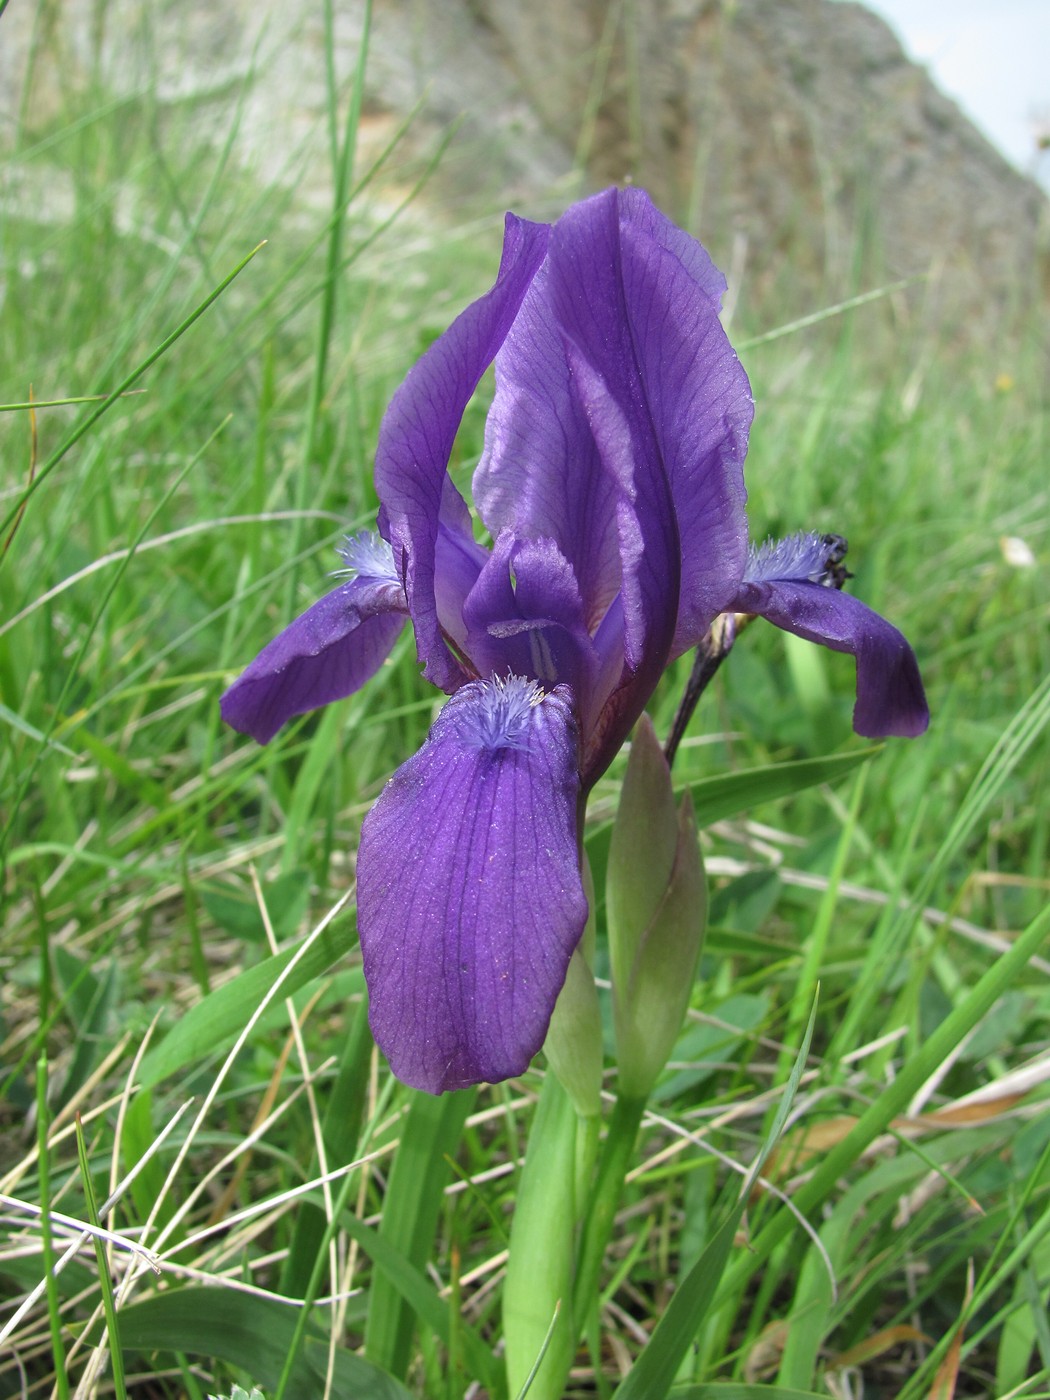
(418, 432)
(328, 652)
(698, 397)
(784, 585)
(470, 901)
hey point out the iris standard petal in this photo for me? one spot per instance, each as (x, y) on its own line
(698, 398)
(890, 696)
(618, 364)
(470, 901)
(324, 655)
(568, 391)
(537, 425)
(418, 432)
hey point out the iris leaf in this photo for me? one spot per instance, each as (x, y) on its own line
(253, 1334)
(653, 1373)
(731, 793)
(432, 1129)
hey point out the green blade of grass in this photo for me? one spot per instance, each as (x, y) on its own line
(1008, 751)
(54, 1317)
(31, 405)
(652, 1375)
(431, 1132)
(85, 641)
(116, 1353)
(213, 1024)
(252, 1333)
(119, 392)
(422, 1299)
(895, 1098)
(815, 318)
(730, 1390)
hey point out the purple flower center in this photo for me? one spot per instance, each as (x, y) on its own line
(799, 557)
(501, 714)
(367, 556)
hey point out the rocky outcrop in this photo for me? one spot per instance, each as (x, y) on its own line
(792, 135)
(796, 125)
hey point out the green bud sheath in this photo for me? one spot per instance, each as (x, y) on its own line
(657, 909)
(643, 846)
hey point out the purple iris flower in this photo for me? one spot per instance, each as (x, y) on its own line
(611, 485)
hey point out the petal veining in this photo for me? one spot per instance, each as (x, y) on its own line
(536, 428)
(418, 432)
(698, 399)
(470, 900)
(619, 429)
(525, 615)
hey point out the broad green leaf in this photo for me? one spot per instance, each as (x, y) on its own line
(716, 799)
(74, 1279)
(253, 1334)
(342, 1124)
(420, 1295)
(703, 1047)
(147, 1188)
(90, 1001)
(237, 910)
(538, 1330)
(731, 793)
(431, 1131)
(114, 763)
(747, 902)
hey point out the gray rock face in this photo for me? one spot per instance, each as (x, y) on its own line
(792, 135)
(797, 129)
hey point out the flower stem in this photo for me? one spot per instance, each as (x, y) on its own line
(710, 654)
(608, 1190)
(588, 1135)
(537, 1315)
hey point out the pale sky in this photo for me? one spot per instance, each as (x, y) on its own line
(992, 57)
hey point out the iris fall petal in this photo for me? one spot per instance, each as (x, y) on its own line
(324, 655)
(470, 899)
(611, 486)
(890, 695)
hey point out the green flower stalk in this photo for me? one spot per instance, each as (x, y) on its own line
(538, 1325)
(574, 1040)
(657, 912)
